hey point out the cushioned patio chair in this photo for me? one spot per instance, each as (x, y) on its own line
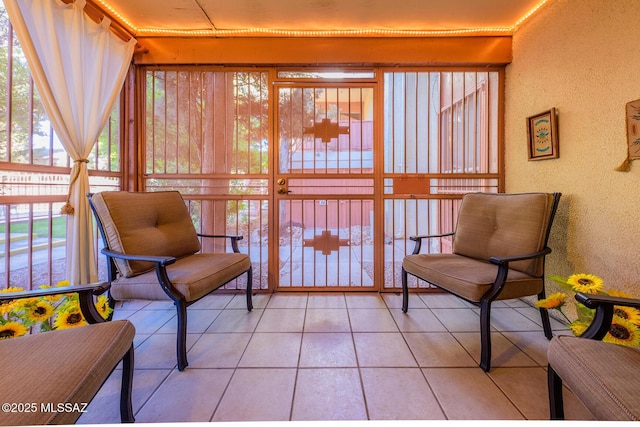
(67, 367)
(605, 377)
(152, 250)
(498, 253)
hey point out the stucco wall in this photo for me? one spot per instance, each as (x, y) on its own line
(583, 58)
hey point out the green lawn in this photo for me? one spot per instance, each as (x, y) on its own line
(40, 227)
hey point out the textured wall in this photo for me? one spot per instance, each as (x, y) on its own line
(583, 58)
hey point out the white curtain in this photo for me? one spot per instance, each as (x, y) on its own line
(79, 68)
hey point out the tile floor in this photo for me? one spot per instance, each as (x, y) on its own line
(334, 356)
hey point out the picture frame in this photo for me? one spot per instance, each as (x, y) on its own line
(542, 134)
(633, 129)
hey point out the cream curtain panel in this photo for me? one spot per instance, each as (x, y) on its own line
(79, 67)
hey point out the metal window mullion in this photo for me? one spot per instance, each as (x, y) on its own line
(337, 202)
(190, 119)
(50, 241)
(203, 107)
(428, 130)
(7, 246)
(236, 121)
(177, 135)
(416, 115)
(30, 130)
(463, 124)
(164, 146)
(453, 134)
(9, 100)
(30, 247)
(488, 124)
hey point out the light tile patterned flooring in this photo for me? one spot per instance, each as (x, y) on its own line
(334, 356)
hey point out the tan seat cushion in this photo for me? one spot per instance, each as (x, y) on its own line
(604, 376)
(467, 277)
(498, 225)
(156, 224)
(63, 366)
(193, 276)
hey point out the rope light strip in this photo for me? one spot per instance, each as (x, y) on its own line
(267, 32)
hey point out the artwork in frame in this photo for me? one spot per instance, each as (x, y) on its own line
(633, 129)
(542, 134)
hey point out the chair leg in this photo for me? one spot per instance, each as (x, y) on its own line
(181, 307)
(249, 289)
(556, 405)
(405, 291)
(126, 408)
(544, 314)
(485, 335)
(546, 323)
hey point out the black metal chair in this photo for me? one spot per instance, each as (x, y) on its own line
(499, 247)
(604, 376)
(152, 250)
(40, 372)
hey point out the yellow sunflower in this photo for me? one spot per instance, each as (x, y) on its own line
(586, 283)
(552, 301)
(69, 319)
(7, 306)
(623, 332)
(578, 327)
(63, 283)
(12, 330)
(614, 293)
(102, 305)
(39, 311)
(628, 313)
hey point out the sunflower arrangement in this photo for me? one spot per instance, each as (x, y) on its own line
(42, 314)
(625, 327)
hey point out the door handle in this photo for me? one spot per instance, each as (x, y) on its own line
(283, 190)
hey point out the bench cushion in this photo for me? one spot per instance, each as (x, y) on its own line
(498, 225)
(604, 376)
(467, 277)
(63, 366)
(193, 276)
(159, 225)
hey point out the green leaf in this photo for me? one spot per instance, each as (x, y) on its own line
(585, 314)
(562, 281)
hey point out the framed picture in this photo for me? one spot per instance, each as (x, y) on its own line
(542, 134)
(633, 129)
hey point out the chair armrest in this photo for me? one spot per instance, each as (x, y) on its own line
(161, 263)
(508, 259)
(85, 297)
(162, 260)
(418, 240)
(93, 288)
(603, 304)
(234, 239)
(503, 269)
(594, 301)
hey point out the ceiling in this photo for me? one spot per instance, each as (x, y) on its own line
(320, 17)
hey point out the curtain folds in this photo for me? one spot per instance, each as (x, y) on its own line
(78, 67)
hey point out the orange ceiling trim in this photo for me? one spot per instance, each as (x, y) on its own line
(320, 51)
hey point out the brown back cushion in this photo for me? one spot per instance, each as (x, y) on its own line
(504, 225)
(155, 224)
